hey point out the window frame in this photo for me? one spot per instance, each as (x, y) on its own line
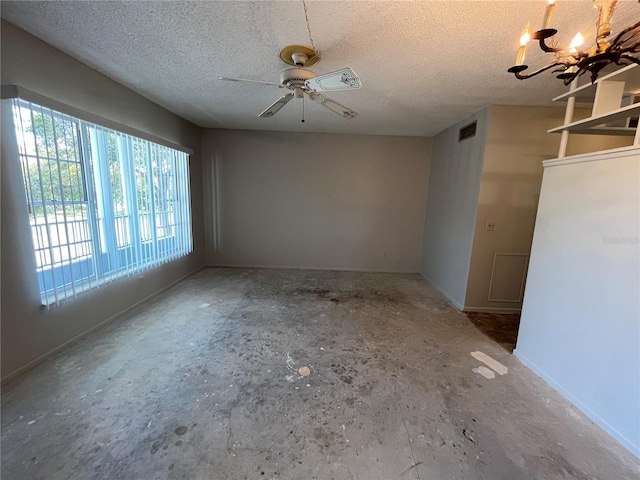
(88, 197)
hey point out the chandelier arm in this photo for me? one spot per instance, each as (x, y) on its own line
(544, 47)
(630, 58)
(632, 48)
(537, 72)
(625, 31)
(622, 61)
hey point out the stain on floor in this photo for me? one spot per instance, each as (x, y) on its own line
(500, 327)
(244, 374)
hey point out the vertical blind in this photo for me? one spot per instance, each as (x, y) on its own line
(102, 204)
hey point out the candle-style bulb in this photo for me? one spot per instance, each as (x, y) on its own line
(577, 41)
(526, 35)
(524, 39)
(548, 14)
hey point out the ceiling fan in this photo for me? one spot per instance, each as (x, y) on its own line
(302, 81)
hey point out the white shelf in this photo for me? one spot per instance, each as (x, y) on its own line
(587, 125)
(617, 131)
(608, 117)
(586, 93)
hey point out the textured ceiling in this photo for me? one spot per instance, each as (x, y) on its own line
(424, 65)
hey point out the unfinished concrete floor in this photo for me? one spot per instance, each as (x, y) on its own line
(204, 383)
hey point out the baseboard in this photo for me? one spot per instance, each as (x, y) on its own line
(44, 357)
(602, 423)
(319, 269)
(491, 310)
(442, 292)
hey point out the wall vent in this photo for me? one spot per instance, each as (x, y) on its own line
(468, 131)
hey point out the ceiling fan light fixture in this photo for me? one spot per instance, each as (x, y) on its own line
(296, 77)
(300, 80)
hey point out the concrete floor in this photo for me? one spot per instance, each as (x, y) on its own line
(205, 383)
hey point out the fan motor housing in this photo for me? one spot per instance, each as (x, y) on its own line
(296, 77)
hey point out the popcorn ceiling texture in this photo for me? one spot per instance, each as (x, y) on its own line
(424, 65)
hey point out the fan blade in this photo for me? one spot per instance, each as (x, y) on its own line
(250, 81)
(277, 105)
(332, 105)
(345, 79)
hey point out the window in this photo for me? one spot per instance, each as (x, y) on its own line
(102, 204)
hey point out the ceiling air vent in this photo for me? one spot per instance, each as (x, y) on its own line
(468, 131)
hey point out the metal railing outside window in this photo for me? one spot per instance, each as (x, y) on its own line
(102, 204)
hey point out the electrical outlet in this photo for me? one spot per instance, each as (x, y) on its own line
(490, 226)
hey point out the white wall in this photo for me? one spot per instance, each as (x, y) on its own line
(322, 201)
(454, 185)
(28, 331)
(580, 326)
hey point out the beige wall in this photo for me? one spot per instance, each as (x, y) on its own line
(325, 201)
(495, 177)
(517, 144)
(29, 331)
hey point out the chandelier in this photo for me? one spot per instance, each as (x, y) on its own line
(623, 49)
